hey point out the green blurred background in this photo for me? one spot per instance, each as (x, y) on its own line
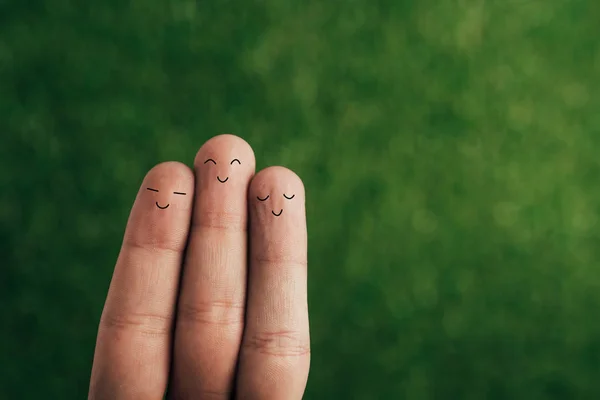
(449, 149)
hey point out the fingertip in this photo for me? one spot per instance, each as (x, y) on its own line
(170, 175)
(278, 215)
(161, 213)
(224, 149)
(276, 180)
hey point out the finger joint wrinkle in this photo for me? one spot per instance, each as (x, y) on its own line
(146, 324)
(278, 343)
(221, 221)
(216, 312)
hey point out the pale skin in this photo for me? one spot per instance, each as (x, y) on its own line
(208, 298)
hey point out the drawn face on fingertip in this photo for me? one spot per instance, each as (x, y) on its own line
(222, 179)
(164, 206)
(278, 211)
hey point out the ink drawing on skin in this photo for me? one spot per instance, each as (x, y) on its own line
(168, 204)
(280, 210)
(235, 160)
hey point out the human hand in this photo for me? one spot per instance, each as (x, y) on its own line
(209, 295)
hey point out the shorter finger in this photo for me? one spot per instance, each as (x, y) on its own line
(275, 351)
(134, 338)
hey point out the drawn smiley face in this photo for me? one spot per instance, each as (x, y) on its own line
(234, 161)
(277, 214)
(168, 204)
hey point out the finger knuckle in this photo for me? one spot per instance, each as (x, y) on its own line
(146, 324)
(282, 343)
(217, 312)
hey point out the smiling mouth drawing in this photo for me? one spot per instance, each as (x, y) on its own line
(277, 215)
(162, 208)
(219, 179)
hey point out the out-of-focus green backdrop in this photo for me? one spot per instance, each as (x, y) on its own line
(449, 149)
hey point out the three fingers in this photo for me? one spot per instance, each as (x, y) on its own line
(208, 296)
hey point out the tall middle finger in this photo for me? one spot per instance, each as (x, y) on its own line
(213, 290)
